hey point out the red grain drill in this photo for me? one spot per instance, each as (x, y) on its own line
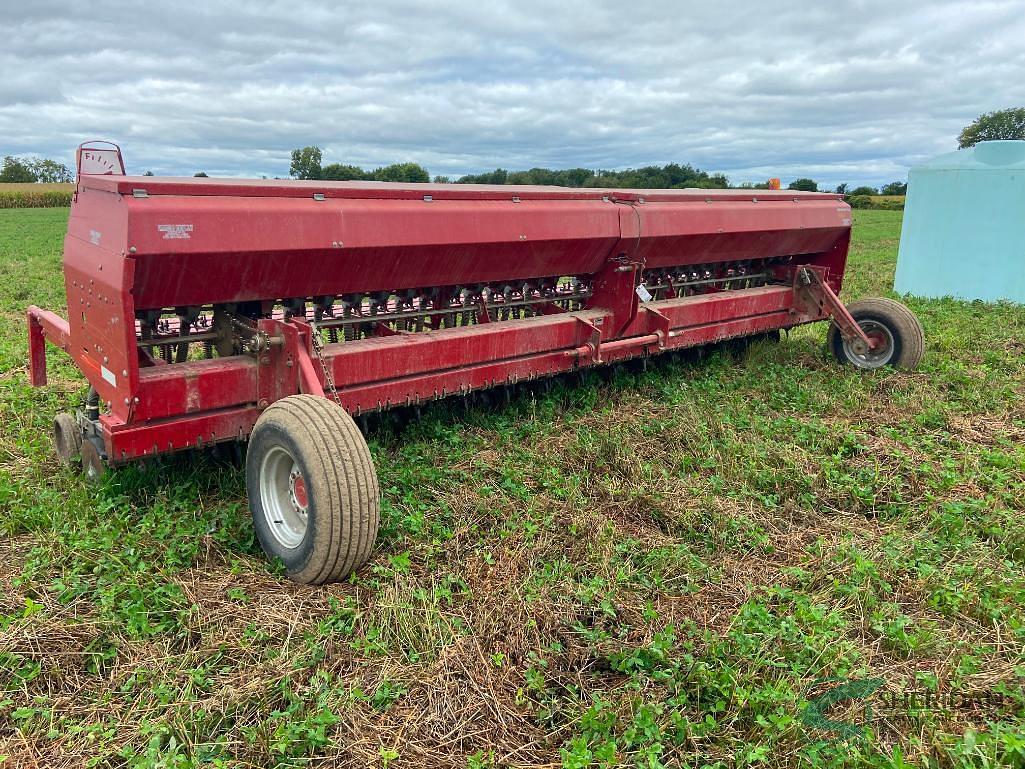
(205, 311)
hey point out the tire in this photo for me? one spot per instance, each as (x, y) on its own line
(897, 327)
(67, 440)
(312, 489)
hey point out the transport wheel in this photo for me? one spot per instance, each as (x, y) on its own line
(67, 440)
(896, 329)
(312, 489)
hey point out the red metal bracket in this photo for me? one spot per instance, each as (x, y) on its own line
(283, 351)
(590, 350)
(615, 290)
(43, 325)
(658, 322)
(36, 350)
(810, 288)
(298, 345)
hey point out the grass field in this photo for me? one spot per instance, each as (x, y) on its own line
(651, 571)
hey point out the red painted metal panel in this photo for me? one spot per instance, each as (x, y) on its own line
(737, 230)
(195, 386)
(393, 357)
(715, 308)
(286, 248)
(127, 442)
(98, 280)
(426, 387)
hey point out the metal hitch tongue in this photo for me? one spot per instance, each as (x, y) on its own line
(814, 289)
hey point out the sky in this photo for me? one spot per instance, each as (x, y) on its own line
(838, 91)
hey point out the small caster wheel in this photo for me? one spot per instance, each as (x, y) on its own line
(67, 440)
(899, 338)
(93, 465)
(312, 489)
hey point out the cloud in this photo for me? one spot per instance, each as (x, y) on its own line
(853, 91)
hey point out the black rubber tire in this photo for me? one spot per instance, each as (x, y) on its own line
(67, 440)
(903, 326)
(343, 510)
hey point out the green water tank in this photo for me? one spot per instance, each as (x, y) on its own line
(964, 225)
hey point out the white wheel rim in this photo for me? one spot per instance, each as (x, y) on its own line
(284, 498)
(874, 358)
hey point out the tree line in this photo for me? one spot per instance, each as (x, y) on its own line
(307, 163)
(669, 176)
(29, 170)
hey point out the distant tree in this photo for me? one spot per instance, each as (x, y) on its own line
(442, 180)
(804, 185)
(397, 172)
(567, 177)
(50, 171)
(402, 172)
(202, 174)
(148, 173)
(670, 176)
(339, 172)
(306, 163)
(15, 170)
(864, 191)
(1002, 124)
(533, 176)
(498, 176)
(575, 177)
(895, 188)
(841, 189)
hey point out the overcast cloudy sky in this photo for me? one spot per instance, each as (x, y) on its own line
(839, 91)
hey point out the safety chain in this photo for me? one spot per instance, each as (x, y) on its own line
(329, 379)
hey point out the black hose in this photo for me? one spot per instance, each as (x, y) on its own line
(92, 405)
